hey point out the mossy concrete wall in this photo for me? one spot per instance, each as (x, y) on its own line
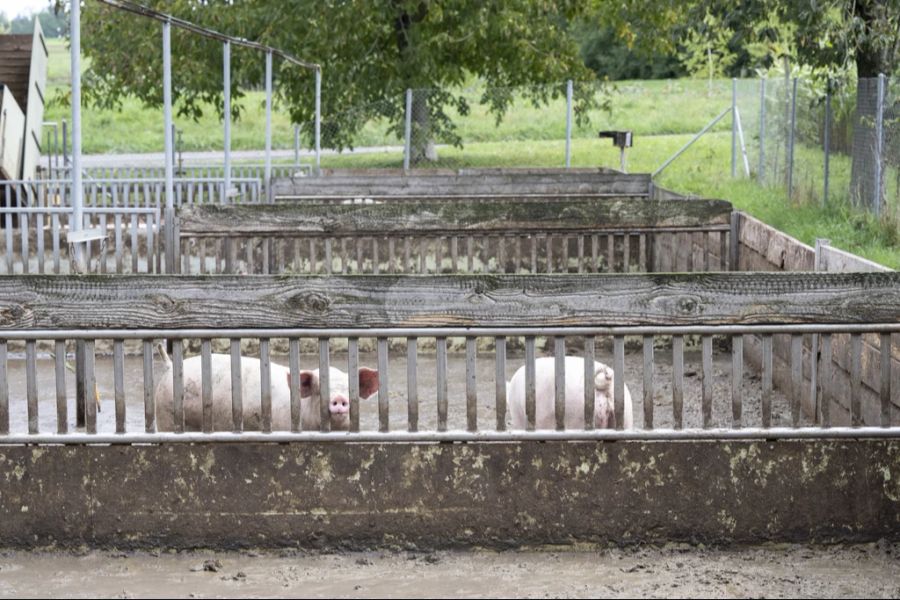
(445, 495)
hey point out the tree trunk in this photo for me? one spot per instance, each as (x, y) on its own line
(871, 60)
(421, 147)
(863, 169)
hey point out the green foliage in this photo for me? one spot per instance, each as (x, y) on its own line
(370, 53)
(53, 25)
(705, 50)
(612, 59)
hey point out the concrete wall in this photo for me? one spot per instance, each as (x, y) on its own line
(445, 495)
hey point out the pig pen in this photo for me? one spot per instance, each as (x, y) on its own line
(716, 455)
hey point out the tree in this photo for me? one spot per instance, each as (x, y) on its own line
(371, 52)
(705, 49)
(833, 36)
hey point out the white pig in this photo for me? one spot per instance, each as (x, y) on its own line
(339, 405)
(545, 396)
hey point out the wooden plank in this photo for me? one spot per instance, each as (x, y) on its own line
(153, 302)
(289, 220)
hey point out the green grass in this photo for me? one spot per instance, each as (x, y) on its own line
(663, 115)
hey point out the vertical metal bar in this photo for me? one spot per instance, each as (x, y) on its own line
(855, 379)
(384, 399)
(353, 383)
(879, 146)
(62, 408)
(325, 387)
(412, 386)
(648, 382)
(4, 389)
(530, 399)
(77, 190)
(500, 382)
(678, 380)
(589, 385)
(206, 384)
(237, 400)
(149, 406)
(581, 253)
(792, 134)
(827, 142)
(619, 380)
(825, 380)
(268, 168)
(568, 123)
(441, 343)
(796, 377)
(296, 145)
(119, 383)
(767, 342)
(226, 116)
(407, 131)
(177, 387)
(885, 388)
(294, 363)
(559, 382)
(31, 386)
(737, 378)
(91, 404)
(471, 386)
(318, 123)
(170, 149)
(39, 229)
(761, 175)
(265, 386)
(734, 121)
(707, 381)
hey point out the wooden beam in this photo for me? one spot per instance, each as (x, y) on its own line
(291, 220)
(365, 301)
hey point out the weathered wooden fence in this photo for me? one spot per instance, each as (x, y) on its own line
(856, 366)
(340, 184)
(433, 236)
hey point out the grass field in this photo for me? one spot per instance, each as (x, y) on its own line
(663, 115)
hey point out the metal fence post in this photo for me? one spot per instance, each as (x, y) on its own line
(879, 145)
(268, 168)
(733, 127)
(761, 175)
(226, 72)
(791, 134)
(827, 144)
(318, 132)
(65, 142)
(77, 191)
(296, 144)
(569, 91)
(170, 148)
(407, 130)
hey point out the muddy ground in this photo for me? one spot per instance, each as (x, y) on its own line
(859, 571)
(751, 391)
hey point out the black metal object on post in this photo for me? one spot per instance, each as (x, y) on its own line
(621, 139)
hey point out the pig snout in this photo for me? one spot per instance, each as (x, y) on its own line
(339, 405)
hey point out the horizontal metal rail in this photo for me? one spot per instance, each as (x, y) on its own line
(145, 11)
(280, 437)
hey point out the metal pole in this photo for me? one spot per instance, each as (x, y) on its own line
(761, 176)
(226, 72)
(791, 133)
(569, 124)
(818, 265)
(827, 142)
(740, 129)
(733, 128)
(879, 144)
(77, 191)
(407, 130)
(268, 174)
(170, 148)
(319, 121)
(65, 142)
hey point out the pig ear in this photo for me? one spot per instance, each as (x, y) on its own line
(306, 383)
(368, 382)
